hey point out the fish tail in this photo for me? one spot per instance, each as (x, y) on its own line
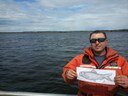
(107, 77)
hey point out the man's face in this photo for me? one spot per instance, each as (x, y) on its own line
(99, 42)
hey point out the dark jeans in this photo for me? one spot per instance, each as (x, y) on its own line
(121, 93)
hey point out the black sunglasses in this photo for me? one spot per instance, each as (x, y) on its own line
(98, 39)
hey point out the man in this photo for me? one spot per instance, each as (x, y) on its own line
(98, 56)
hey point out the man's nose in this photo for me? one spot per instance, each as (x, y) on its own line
(97, 42)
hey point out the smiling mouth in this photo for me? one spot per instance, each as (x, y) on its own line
(97, 47)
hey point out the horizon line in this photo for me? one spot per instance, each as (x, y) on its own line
(64, 31)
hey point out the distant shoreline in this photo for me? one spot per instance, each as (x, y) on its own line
(122, 30)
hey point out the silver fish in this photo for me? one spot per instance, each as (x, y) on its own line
(93, 75)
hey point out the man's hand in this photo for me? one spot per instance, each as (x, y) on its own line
(122, 80)
(71, 74)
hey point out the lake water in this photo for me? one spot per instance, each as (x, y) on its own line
(33, 62)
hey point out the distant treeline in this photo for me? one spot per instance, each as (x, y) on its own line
(118, 30)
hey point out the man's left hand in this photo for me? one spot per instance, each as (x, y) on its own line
(122, 80)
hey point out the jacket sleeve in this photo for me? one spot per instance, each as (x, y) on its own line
(125, 66)
(75, 62)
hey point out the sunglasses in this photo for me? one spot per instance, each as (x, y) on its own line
(99, 40)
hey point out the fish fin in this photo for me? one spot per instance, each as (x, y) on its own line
(93, 70)
(107, 77)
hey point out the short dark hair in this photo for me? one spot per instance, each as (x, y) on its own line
(96, 32)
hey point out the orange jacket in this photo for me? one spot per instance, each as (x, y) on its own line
(112, 59)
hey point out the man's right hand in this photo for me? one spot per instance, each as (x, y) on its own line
(71, 74)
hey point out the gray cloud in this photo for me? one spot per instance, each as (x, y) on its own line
(63, 15)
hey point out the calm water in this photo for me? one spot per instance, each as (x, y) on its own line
(33, 61)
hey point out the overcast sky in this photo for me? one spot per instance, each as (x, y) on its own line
(62, 15)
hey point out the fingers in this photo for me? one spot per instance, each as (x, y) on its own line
(71, 74)
(122, 81)
(119, 80)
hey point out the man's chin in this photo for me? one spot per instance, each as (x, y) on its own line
(98, 51)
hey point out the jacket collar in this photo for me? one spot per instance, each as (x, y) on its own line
(110, 52)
